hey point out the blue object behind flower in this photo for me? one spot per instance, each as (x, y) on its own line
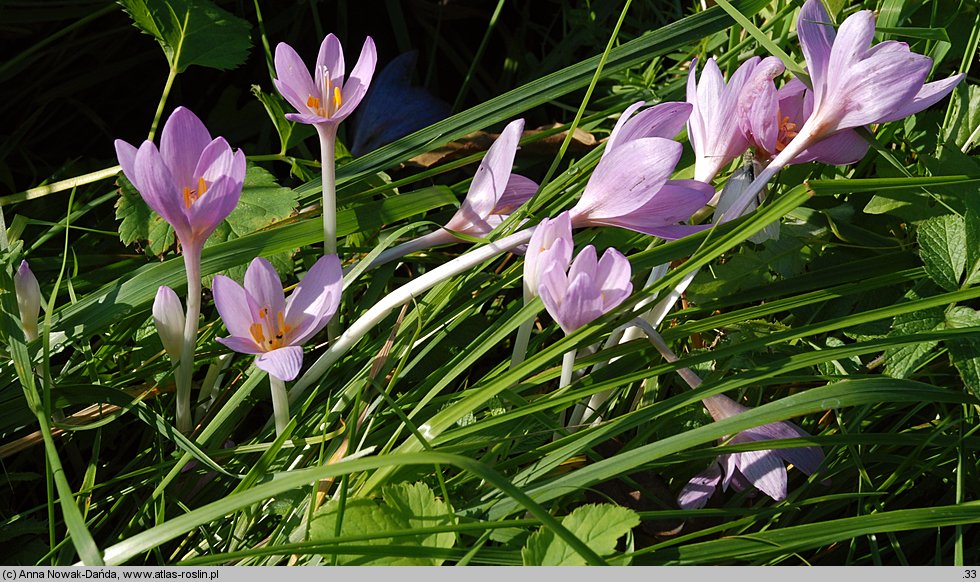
(393, 108)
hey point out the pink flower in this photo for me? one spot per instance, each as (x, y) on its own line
(764, 469)
(192, 181)
(262, 322)
(631, 188)
(28, 293)
(323, 98)
(856, 84)
(550, 246)
(590, 289)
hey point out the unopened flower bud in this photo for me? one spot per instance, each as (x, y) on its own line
(28, 299)
(168, 316)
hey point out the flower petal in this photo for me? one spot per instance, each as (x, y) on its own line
(930, 94)
(879, 85)
(309, 118)
(489, 182)
(293, 78)
(664, 120)
(842, 148)
(207, 212)
(627, 178)
(126, 154)
(758, 105)
(283, 363)
(232, 303)
(696, 492)
(330, 58)
(315, 300)
(360, 79)
(158, 189)
(168, 318)
(240, 344)
(677, 200)
(182, 140)
(613, 274)
(263, 284)
(518, 191)
(587, 262)
(765, 470)
(816, 32)
(581, 305)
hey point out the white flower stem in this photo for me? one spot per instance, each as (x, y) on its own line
(521, 341)
(399, 297)
(328, 144)
(567, 367)
(280, 403)
(439, 237)
(185, 371)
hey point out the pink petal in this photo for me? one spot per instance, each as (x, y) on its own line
(293, 78)
(696, 492)
(489, 182)
(627, 178)
(673, 231)
(665, 120)
(765, 471)
(844, 147)
(159, 190)
(677, 200)
(581, 305)
(696, 122)
(710, 89)
(360, 79)
(587, 262)
(263, 284)
(816, 32)
(758, 105)
(331, 58)
(283, 363)
(127, 159)
(552, 288)
(806, 459)
(551, 244)
(518, 191)
(219, 160)
(241, 345)
(315, 300)
(613, 274)
(309, 118)
(721, 407)
(232, 304)
(207, 212)
(182, 140)
(614, 136)
(930, 94)
(880, 85)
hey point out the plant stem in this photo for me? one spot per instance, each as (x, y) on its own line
(520, 343)
(280, 403)
(439, 237)
(399, 297)
(328, 143)
(163, 101)
(567, 366)
(185, 371)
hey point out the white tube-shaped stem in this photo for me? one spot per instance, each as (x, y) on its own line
(185, 372)
(328, 176)
(280, 403)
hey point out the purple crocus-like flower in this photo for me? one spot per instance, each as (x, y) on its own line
(664, 120)
(262, 322)
(764, 469)
(168, 317)
(631, 188)
(550, 246)
(588, 290)
(324, 98)
(713, 128)
(856, 84)
(192, 181)
(28, 293)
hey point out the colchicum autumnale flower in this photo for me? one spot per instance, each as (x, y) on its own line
(324, 100)
(550, 247)
(193, 182)
(264, 323)
(168, 318)
(28, 293)
(591, 287)
(764, 469)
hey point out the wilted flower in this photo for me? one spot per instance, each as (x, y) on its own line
(631, 188)
(590, 289)
(168, 317)
(262, 322)
(192, 181)
(28, 293)
(856, 84)
(550, 247)
(323, 98)
(764, 469)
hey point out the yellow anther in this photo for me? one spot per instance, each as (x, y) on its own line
(257, 334)
(313, 103)
(202, 187)
(336, 98)
(188, 200)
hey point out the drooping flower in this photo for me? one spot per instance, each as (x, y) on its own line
(764, 469)
(168, 318)
(713, 127)
(588, 290)
(192, 181)
(28, 293)
(323, 98)
(550, 247)
(263, 322)
(631, 188)
(856, 84)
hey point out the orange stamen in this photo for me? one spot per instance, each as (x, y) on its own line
(257, 334)
(313, 103)
(336, 98)
(188, 200)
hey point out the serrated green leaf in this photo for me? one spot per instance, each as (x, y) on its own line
(599, 526)
(942, 247)
(139, 223)
(972, 224)
(902, 361)
(290, 133)
(406, 507)
(192, 32)
(965, 353)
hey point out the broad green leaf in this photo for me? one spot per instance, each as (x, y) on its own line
(599, 526)
(139, 224)
(405, 508)
(290, 133)
(902, 361)
(965, 353)
(192, 32)
(972, 220)
(942, 246)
